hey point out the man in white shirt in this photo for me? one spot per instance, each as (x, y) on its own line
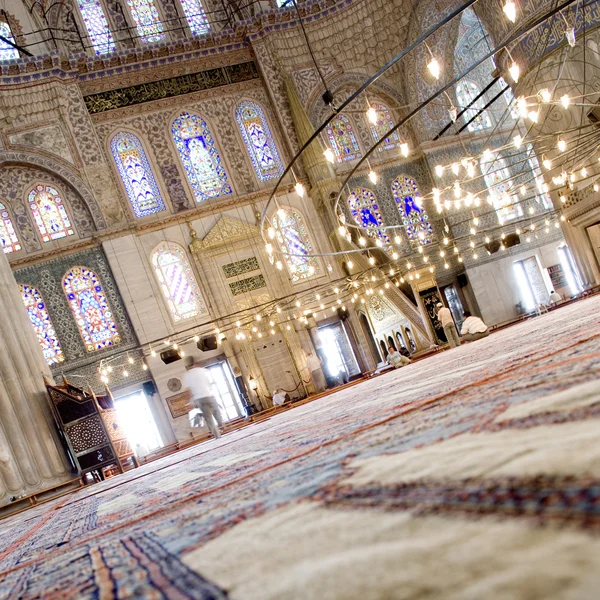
(201, 388)
(554, 298)
(278, 397)
(396, 359)
(445, 317)
(473, 328)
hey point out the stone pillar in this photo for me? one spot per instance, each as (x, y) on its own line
(31, 456)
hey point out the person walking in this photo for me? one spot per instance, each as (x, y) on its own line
(396, 359)
(445, 317)
(473, 328)
(197, 381)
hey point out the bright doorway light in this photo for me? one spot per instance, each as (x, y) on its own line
(568, 265)
(137, 421)
(524, 286)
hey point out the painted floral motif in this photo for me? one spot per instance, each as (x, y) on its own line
(177, 282)
(97, 26)
(414, 217)
(200, 157)
(259, 140)
(295, 244)
(49, 213)
(90, 308)
(42, 325)
(8, 236)
(342, 139)
(136, 174)
(367, 214)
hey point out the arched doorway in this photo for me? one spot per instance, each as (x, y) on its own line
(400, 339)
(364, 323)
(392, 342)
(384, 349)
(410, 339)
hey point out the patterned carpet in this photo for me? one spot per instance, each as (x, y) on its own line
(473, 474)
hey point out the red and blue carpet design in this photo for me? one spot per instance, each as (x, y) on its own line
(472, 474)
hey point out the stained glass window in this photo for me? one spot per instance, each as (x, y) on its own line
(497, 179)
(177, 281)
(342, 139)
(8, 237)
(367, 214)
(147, 20)
(414, 217)
(97, 26)
(136, 174)
(49, 213)
(466, 92)
(200, 157)
(42, 325)
(195, 15)
(382, 126)
(7, 52)
(295, 244)
(259, 141)
(90, 308)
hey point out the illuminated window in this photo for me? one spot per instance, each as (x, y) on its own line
(200, 157)
(259, 141)
(147, 20)
(498, 181)
(177, 282)
(382, 126)
(295, 244)
(414, 217)
(42, 325)
(7, 52)
(49, 213)
(8, 237)
(342, 139)
(136, 174)
(534, 166)
(90, 308)
(466, 92)
(367, 214)
(195, 15)
(97, 26)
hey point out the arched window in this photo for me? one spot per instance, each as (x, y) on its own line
(8, 237)
(498, 181)
(342, 139)
(49, 213)
(201, 159)
(90, 308)
(382, 126)
(534, 166)
(147, 20)
(295, 244)
(414, 217)
(259, 141)
(366, 213)
(195, 15)
(177, 282)
(466, 92)
(136, 174)
(42, 325)
(7, 52)
(97, 26)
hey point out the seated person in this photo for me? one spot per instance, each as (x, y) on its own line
(279, 397)
(554, 298)
(396, 359)
(473, 328)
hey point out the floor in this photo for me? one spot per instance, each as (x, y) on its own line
(474, 474)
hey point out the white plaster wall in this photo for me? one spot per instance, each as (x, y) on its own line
(495, 286)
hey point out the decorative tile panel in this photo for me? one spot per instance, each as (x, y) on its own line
(240, 267)
(250, 284)
(87, 434)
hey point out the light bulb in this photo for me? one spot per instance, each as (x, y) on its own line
(372, 176)
(453, 114)
(563, 198)
(125, 374)
(258, 317)
(362, 241)
(534, 116)
(397, 240)
(565, 100)
(523, 190)
(514, 71)
(153, 353)
(475, 221)
(454, 167)
(439, 170)
(104, 379)
(279, 265)
(545, 95)
(404, 149)
(446, 266)
(517, 140)
(130, 360)
(510, 10)
(299, 190)
(446, 241)
(269, 248)
(522, 107)
(470, 169)
(371, 261)
(281, 212)
(329, 155)
(434, 68)
(584, 172)
(456, 189)
(372, 115)
(475, 256)
(547, 163)
(561, 145)
(596, 188)
(570, 35)
(350, 264)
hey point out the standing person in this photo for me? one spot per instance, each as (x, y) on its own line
(473, 328)
(554, 298)
(313, 363)
(201, 388)
(396, 359)
(445, 317)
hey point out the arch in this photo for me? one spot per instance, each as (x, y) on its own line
(343, 139)
(8, 236)
(391, 342)
(414, 217)
(498, 181)
(410, 339)
(146, 19)
(49, 213)
(176, 278)
(88, 303)
(384, 349)
(383, 124)
(97, 27)
(42, 324)
(196, 16)
(136, 174)
(259, 141)
(400, 340)
(7, 52)
(466, 94)
(368, 332)
(200, 158)
(367, 214)
(295, 243)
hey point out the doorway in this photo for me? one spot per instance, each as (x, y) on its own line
(138, 422)
(364, 323)
(338, 352)
(226, 391)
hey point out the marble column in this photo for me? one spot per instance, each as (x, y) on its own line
(31, 456)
